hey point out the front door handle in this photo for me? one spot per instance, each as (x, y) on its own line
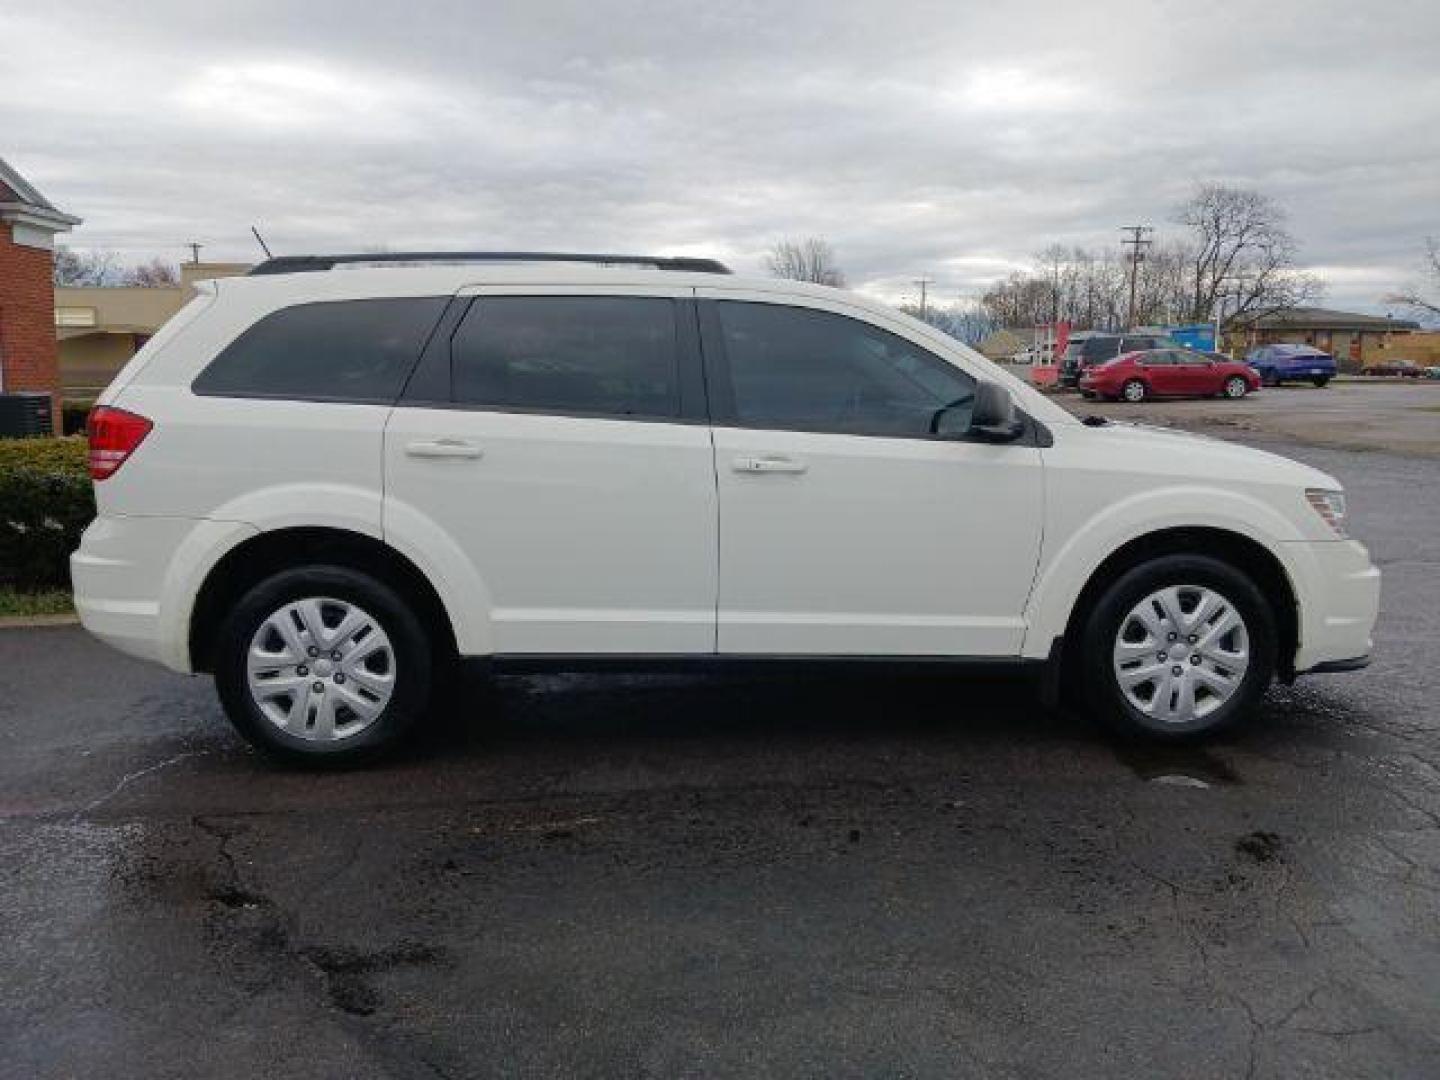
(443, 448)
(770, 463)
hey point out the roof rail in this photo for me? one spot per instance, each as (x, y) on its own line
(296, 264)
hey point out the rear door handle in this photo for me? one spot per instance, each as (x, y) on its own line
(770, 463)
(443, 448)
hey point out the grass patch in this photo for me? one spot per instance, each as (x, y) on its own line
(50, 602)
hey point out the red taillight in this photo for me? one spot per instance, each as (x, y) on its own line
(114, 435)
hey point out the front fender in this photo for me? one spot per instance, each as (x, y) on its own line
(1074, 551)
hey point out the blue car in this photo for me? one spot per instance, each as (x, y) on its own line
(1276, 364)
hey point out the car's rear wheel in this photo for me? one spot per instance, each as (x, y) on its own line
(1134, 390)
(1178, 647)
(323, 664)
(1236, 387)
(1320, 381)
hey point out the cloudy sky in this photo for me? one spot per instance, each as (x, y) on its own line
(946, 140)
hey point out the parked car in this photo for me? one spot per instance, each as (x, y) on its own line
(1404, 369)
(1086, 349)
(1432, 372)
(1168, 373)
(328, 489)
(1278, 364)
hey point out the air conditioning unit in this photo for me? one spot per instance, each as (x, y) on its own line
(25, 413)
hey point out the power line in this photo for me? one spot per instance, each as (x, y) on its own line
(1137, 242)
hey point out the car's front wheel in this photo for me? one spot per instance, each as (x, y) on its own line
(1134, 390)
(1236, 387)
(323, 664)
(1320, 381)
(1178, 647)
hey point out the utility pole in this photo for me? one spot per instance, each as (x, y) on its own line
(1137, 242)
(924, 284)
(194, 251)
(1230, 284)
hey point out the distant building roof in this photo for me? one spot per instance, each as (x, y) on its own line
(1317, 318)
(21, 202)
(1002, 342)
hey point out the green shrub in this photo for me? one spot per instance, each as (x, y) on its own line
(45, 503)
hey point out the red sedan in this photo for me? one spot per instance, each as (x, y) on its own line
(1136, 376)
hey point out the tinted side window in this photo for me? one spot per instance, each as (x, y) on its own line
(344, 350)
(596, 355)
(1100, 349)
(812, 370)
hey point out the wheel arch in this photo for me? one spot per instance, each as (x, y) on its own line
(266, 553)
(1243, 552)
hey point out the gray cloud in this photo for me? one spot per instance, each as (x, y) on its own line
(940, 139)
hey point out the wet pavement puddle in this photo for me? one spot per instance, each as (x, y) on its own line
(1175, 765)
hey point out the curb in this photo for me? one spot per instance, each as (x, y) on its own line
(32, 622)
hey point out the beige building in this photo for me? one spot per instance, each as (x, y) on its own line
(99, 329)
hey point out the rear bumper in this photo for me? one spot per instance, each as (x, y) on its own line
(136, 578)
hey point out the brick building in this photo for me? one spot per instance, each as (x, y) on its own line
(1354, 340)
(28, 224)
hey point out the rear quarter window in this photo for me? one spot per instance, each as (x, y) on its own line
(342, 350)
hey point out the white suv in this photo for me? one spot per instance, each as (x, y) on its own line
(327, 483)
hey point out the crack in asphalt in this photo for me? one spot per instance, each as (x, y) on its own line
(131, 777)
(345, 976)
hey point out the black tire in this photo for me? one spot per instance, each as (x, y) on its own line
(1134, 390)
(1321, 381)
(1099, 685)
(1236, 388)
(413, 656)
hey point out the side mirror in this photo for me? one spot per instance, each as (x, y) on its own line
(992, 416)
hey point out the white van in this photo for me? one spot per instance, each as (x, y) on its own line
(329, 481)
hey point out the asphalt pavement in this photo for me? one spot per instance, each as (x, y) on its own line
(706, 876)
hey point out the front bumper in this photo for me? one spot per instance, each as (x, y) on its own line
(1358, 663)
(1339, 602)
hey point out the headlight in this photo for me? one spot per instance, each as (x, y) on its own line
(1330, 505)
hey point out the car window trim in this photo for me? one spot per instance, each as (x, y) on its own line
(389, 400)
(437, 364)
(722, 395)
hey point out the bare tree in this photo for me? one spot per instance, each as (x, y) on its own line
(811, 259)
(1415, 296)
(969, 321)
(1239, 256)
(1240, 248)
(81, 268)
(155, 274)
